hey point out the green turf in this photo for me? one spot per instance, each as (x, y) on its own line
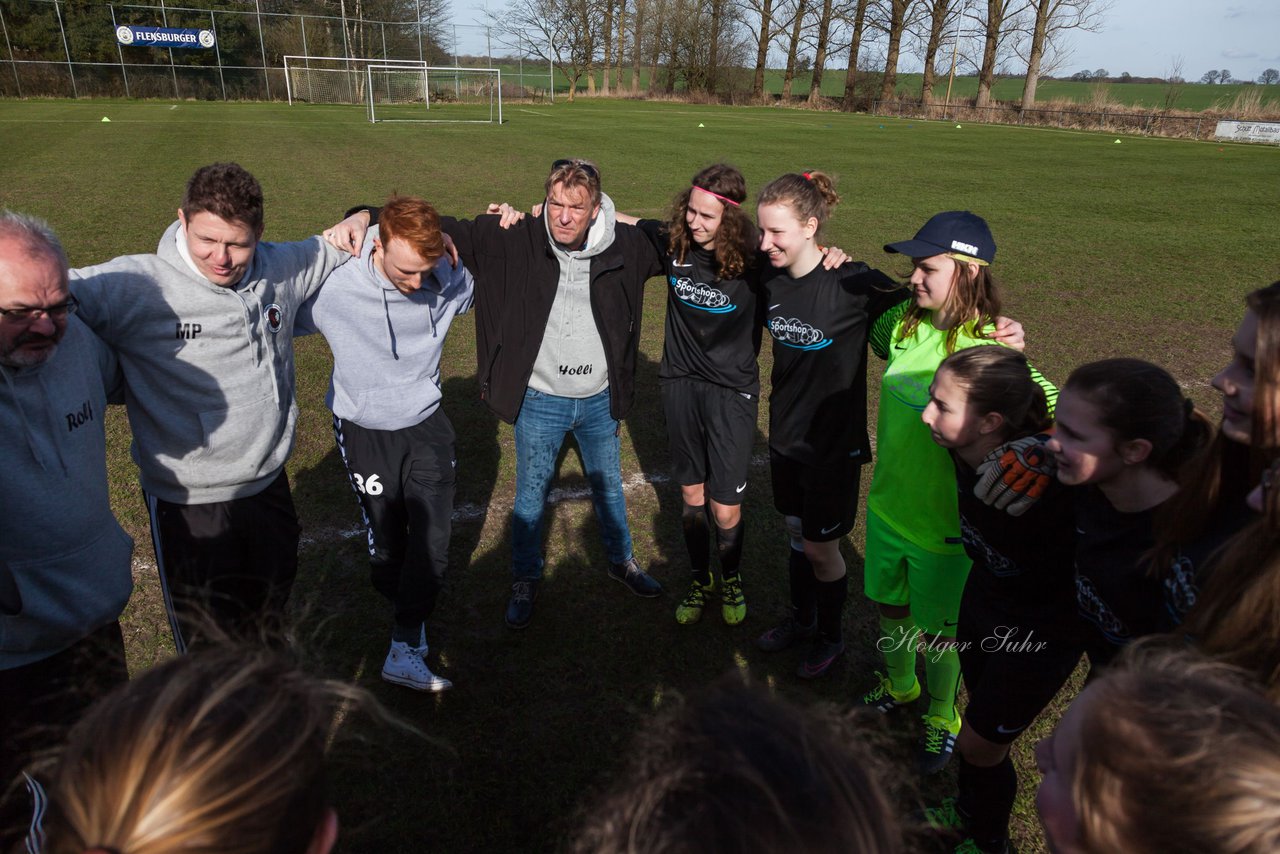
(1143, 248)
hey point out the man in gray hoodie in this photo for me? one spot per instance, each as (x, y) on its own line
(204, 333)
(385, 316)
(64, 560)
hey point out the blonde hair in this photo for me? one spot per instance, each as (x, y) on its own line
(737, 770)
(1180, 754)
(222, 750)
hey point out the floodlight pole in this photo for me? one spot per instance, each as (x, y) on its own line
(955, 49)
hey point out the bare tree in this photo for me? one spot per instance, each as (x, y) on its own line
(607, 32)
(566, 33)
(1052, 20)
(763, 10)
(797, 28)
(1211, 76)
(896, 25)
(997, 14)
(1224, 76)
(1173, 83)
(855, 46)
(1269, 76)
(820, 54)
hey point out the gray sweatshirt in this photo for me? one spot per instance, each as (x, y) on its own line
(209, 375)
(64, 560)
(386, 345)
(571, 360)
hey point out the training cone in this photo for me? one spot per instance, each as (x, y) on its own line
(1117, 142)
(957, 127)
(105, 119)
(701, 125)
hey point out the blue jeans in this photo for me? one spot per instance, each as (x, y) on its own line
(540, 430)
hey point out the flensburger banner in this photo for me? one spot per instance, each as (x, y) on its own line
(164, 37)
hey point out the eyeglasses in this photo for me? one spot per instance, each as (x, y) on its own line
(54, 312)
(586, 168)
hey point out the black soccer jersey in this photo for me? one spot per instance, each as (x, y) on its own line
(1023, 566)
(713, 325)
(1114, 590)
(820, 325)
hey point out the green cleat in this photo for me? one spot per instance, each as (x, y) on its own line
(689, 611)
(884, 699)
(733, 607)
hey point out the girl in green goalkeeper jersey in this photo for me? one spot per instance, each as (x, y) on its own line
(915, 561)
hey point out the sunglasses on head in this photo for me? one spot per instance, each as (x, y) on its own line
(586, 168)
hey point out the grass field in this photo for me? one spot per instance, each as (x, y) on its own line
(1143, 249)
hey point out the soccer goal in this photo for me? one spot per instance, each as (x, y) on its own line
(332, 79)
(401, 93)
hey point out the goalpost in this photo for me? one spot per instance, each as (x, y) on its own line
(331, 79)
(415, 92)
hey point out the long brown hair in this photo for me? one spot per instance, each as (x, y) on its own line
(974, 299)
(736, 239)
(1236, 617)
(1222, 476)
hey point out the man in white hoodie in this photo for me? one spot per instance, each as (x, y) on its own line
(204, 333)
(64, 560)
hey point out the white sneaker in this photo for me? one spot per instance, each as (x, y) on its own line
(405, 666)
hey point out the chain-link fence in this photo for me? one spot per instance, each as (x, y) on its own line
(60, 48)
(1124, 120)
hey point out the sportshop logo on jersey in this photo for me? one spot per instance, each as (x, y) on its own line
(796, 333)
(701, 296)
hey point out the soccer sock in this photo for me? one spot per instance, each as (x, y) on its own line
(985, 800)
(897, 644)
(803, 588)
(729, 545)
(697, 541)
(942, 673)
(831, 596)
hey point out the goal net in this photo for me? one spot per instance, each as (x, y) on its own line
(404, 93)
(332, 79)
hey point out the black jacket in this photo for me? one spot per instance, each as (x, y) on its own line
(517, 274)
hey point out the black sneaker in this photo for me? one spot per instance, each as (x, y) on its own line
(637, 580)
(520, 606)
(821, 656)
(785, 634)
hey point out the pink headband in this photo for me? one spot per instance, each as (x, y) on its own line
(727, 201)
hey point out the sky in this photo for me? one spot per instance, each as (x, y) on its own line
(1142, 37)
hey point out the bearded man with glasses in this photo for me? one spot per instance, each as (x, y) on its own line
(64, 560)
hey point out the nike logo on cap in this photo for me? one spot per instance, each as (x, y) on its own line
(829, 530)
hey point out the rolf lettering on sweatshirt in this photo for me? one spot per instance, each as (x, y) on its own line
(80, 418)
